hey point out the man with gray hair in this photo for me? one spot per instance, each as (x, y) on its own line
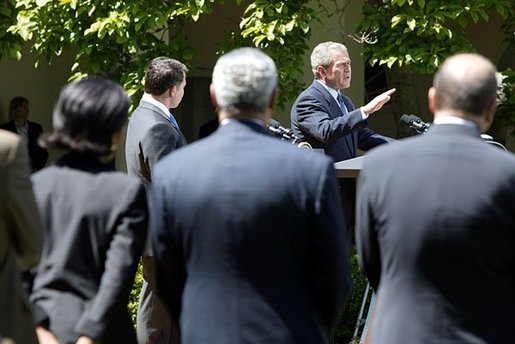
(247, 231)
(328, 120)
(441, 257)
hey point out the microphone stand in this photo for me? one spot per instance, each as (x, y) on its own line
(286, 134)
(415, 123)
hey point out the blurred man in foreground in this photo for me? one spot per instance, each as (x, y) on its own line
(436, 221)
(247, 229)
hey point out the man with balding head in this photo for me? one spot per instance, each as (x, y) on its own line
(436, 221)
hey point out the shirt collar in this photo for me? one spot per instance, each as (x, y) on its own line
(149, 99)
(455, 120)
(334, 93)
(25, 126)
(226, 121)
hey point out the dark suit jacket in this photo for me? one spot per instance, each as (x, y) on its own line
(249, 239)
(38, 156)
(95, 223)
(436, 237)
(317, 118)
(150, 136)
(21, 239)
(153, 135)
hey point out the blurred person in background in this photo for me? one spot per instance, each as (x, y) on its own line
(30, 131)
(21, 239)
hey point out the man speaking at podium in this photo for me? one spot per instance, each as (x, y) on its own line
(435, 227)
(328, 120)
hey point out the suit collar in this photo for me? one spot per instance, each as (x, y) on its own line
(454, 129)
(11, 126)
(318, 86)
(150, 106)
(83, 161)
(334, 93)
(330, 98)
(336, 111)
(235, 125)
(162, 108)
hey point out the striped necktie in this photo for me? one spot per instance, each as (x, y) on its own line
(341, 102)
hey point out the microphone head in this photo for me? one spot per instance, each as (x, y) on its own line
(416, 118)
(406, 119)
(273, 123)
(409, 119)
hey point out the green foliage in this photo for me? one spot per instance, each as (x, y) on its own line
(117, 38)
(134, 296)
(281, 29)
(506, 107)
(420, 34)
(10, 44)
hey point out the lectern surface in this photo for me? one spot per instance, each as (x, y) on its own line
(349, 168)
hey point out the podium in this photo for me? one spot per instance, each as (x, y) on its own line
(349, 168)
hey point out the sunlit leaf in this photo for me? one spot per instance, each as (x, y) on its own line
(412, 24)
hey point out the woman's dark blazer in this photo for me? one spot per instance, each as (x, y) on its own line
(95, 225)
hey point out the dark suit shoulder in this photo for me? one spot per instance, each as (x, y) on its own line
(35, 125)
(144, 120)
(112, 179)
(313, 93)
(300, 159)
(8, 126)
(143, 114)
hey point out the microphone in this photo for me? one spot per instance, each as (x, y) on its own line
(415, 122)
(278, 130)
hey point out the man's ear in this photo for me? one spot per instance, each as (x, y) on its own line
(431, 99)
(172, 91)
(321, 71)
(273, 99)
(490, 114)
(213, 96)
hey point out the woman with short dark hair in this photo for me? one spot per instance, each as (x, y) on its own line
(95, 221)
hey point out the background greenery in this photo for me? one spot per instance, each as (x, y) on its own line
(117, 38)
(417, 36)
(134, 296)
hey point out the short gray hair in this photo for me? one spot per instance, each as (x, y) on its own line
(244, 80)
(321, 55)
